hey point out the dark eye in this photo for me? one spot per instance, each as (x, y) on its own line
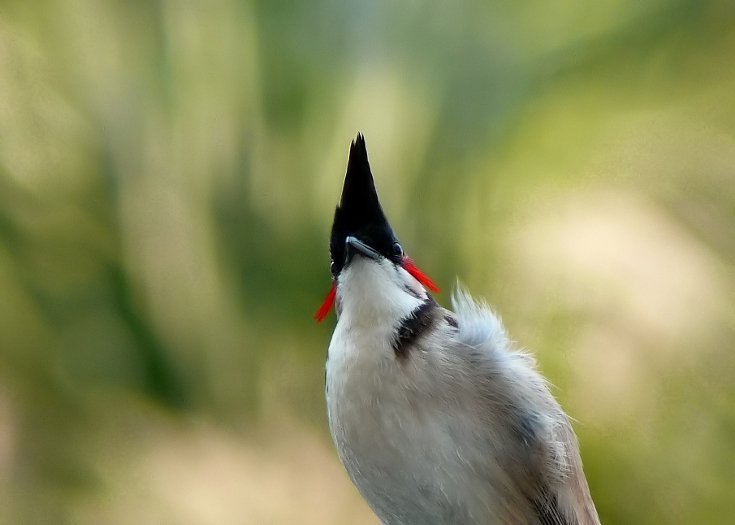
(332, 267)
(397, 250)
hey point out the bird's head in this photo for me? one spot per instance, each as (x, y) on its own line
(368, 264)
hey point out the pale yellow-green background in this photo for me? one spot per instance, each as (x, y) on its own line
(168, 172)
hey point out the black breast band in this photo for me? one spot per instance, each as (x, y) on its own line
(413, 326)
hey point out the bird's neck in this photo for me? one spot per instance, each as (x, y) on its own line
(370, 297)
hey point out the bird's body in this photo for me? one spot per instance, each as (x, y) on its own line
(436, 418)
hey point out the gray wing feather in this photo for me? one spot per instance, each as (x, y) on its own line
(543, 467)
(548, 512)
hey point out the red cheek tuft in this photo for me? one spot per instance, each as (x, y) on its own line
(327, 304)
(420, 276)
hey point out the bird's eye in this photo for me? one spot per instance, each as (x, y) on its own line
(397, 250)
(332, 267)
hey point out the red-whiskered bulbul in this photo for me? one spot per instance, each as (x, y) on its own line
(436, 417)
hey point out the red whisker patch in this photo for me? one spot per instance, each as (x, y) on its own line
(420, 276)
(327, 304)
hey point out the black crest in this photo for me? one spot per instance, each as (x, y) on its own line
(359, 213)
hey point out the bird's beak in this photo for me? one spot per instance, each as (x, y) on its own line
(354, 246)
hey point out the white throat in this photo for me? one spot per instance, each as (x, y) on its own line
(376, 294)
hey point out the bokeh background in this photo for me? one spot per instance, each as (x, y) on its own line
(168, 174)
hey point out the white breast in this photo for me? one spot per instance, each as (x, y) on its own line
(408, 454)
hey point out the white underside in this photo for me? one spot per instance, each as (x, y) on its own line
(458, 431)
(405, 429)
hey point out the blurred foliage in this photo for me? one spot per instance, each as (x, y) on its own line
(168, 171)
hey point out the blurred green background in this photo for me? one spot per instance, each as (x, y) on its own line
(168, 174)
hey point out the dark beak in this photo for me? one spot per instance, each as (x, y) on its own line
(354, 246)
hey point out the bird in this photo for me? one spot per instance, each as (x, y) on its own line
(437, 418)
